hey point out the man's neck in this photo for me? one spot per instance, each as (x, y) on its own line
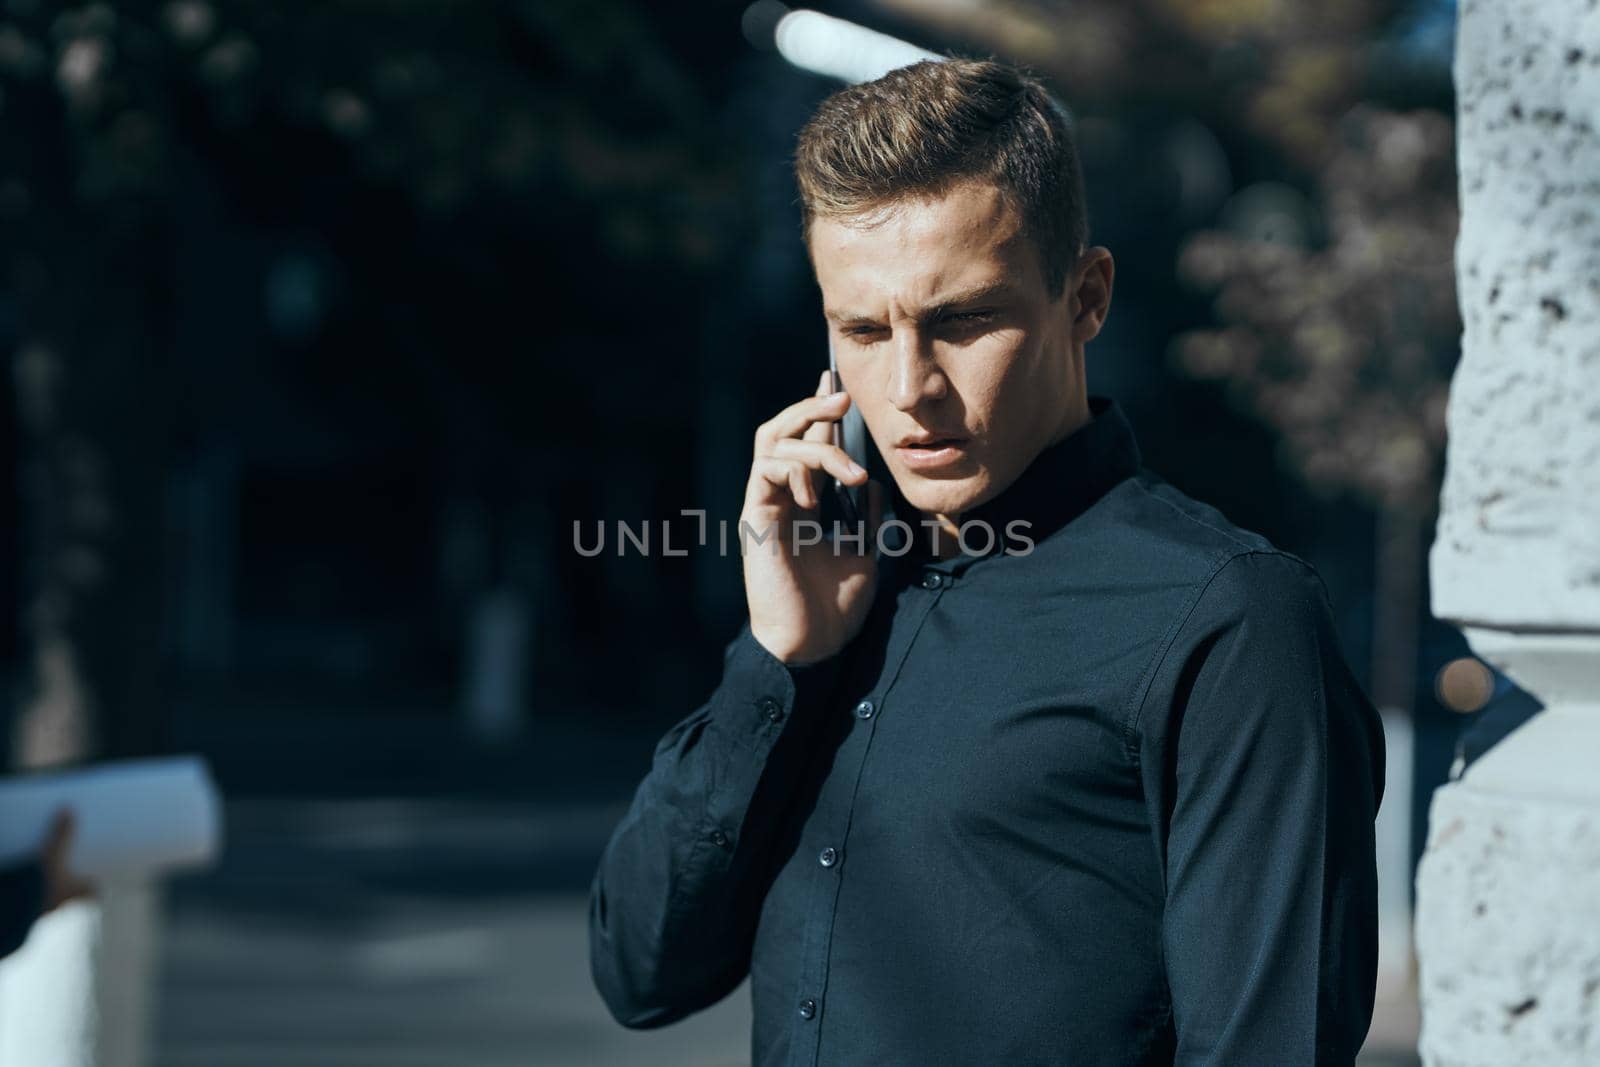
(941, 539)
(939, 534)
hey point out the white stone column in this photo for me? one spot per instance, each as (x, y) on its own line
(1508, 894)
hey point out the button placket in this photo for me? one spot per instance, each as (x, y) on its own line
(831, 820)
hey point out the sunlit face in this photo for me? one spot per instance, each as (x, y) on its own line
(949, 344)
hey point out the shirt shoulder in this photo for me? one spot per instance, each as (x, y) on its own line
(1203, 576)
(1167, 512)
(1230, 572)
(1260, 624)
(1169, 536)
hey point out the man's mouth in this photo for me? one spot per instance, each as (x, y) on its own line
(928, 452)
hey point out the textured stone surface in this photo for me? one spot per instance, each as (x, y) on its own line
(1519, 530)
(1508, 894)
(1509, 938)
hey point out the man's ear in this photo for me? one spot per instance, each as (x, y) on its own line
(1091, 281)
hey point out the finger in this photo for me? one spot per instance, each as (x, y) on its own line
(801, 487)
(793, 420)
(822, 456)
(774, 473)
(822, 430)
(60, 832)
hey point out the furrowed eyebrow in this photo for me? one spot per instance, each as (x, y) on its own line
(965, 296)
(969, 296)
(849, 318)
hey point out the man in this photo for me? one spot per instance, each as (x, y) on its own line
(39, 886)
(1106, 801)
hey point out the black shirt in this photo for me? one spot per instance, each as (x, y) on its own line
(21, 900)
(1107, 802)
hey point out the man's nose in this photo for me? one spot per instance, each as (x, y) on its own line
(914, 377)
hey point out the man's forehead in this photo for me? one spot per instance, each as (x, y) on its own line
(969, 215)
(861, 275)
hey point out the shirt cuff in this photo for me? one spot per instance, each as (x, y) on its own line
(760, 693)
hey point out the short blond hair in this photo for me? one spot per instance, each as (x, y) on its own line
(920, 129)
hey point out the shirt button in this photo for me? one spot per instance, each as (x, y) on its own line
(719, 839)
(828, 857)
(808, 1008)
(864, 710)
(932, 581)
(770, 708)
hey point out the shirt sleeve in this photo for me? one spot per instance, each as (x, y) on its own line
(674, 904)
(1264, 769)
(21, 899)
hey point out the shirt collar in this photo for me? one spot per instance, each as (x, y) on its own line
(1061, 483)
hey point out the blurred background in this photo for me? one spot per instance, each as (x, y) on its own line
(326, 323)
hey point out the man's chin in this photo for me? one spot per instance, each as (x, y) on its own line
(942, 496)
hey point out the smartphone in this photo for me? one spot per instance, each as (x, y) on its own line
(850, 434)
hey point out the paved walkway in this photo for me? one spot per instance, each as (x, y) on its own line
(426, 934)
